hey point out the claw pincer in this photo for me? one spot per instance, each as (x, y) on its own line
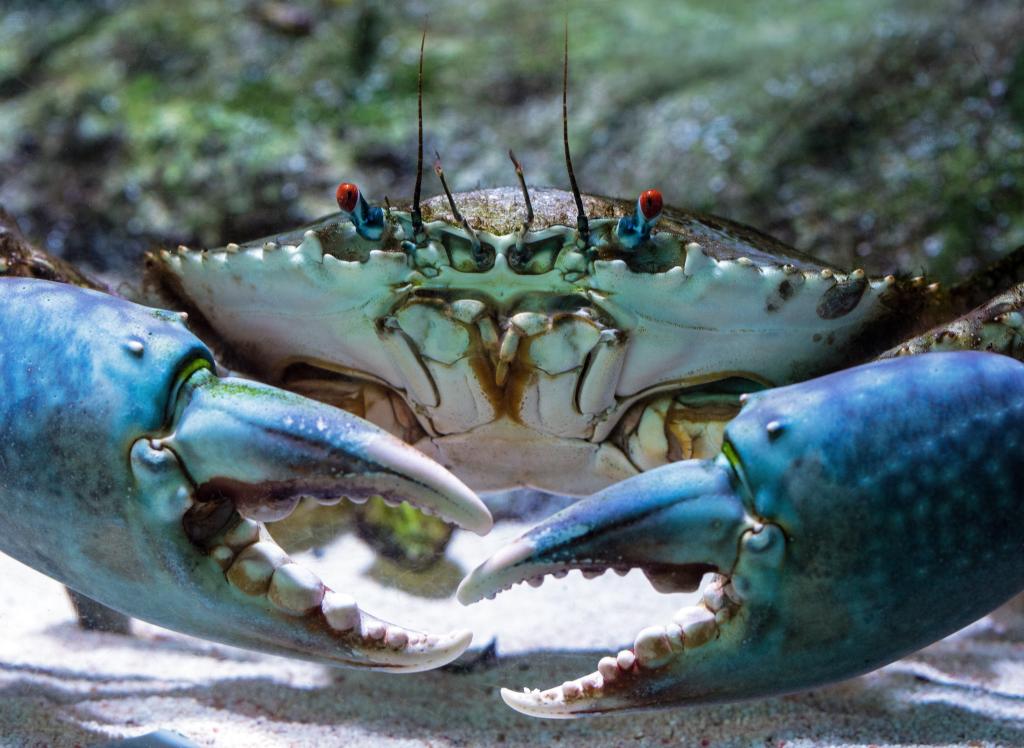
(855, 518)
(133, 474)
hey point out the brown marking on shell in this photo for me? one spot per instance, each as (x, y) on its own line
(779, 296)
(842, 298)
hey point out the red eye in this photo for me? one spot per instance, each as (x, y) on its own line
(650, 204)
(347, 195)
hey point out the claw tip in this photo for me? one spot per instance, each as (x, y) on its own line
(486, 577)
(530, 705)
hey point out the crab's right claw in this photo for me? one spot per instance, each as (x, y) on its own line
(252, 451)
(850, 519)
(132, 473)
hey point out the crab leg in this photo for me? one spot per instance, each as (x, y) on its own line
(133, 474)
(849, 520)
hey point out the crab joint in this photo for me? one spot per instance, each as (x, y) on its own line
(368, 219)
(636, 229)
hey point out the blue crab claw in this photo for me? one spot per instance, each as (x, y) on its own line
(848, 521)
(133, 474)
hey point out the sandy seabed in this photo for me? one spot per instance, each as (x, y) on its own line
(60, 686)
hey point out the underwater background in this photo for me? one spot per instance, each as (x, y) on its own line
(880, 133)
(884, 134)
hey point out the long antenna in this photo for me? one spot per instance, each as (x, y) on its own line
(582, 225)
(522, 185)
(518, 255)
(417, 216)
(439, 170)
(474, 239)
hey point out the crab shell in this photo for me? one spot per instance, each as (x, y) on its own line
(520, 357)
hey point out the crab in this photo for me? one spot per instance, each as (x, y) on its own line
(689, 375)
(523, 354)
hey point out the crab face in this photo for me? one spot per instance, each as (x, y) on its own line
(524, 356)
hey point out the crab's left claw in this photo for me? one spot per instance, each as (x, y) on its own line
(133, 474)
(850, 520)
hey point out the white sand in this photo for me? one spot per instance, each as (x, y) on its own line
(60, 686)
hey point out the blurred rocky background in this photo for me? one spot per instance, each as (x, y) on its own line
(887, 134)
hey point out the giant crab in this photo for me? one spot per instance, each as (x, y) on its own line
(578, 344)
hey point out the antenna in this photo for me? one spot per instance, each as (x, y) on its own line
(526, 192)
(582, 225)
(518, 255)
(417, 216)
(439, 170)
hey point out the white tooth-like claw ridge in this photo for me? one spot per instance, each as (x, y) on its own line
(571, 689)
(608, 668)
(262, 568)
(243, 534)
(537, 703)
(497, 573)
(621, 676)
(295, 589)
(698, 625)
(396, 638)
(652, 647)
(254, 566)
(592, 684)
(340, 610)
(410, 651)
(625, 659)
(223, 556)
